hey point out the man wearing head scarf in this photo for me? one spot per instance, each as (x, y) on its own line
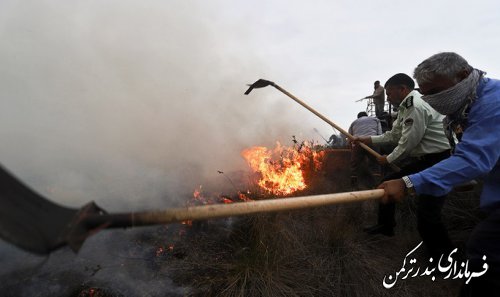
(420, 143)
(471, 103)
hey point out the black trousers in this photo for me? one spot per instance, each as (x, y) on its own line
(360, 158)
(484, 241)
(429, 222)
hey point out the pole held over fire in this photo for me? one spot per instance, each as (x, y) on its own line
(36, 224)
(212, 211)
(264, 83)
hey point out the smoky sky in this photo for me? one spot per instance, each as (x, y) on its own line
(130, 103)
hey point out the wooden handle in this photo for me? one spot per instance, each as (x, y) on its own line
(347, 134)
(226, 210)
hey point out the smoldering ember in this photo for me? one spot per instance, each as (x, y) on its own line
(311, 252)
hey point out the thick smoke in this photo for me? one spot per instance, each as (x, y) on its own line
(131, 104)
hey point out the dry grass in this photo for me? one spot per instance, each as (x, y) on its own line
(320, 252)
(317, 252)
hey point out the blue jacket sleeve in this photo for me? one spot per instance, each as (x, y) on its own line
(474, 156)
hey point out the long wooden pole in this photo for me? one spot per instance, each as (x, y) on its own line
(226, 210)
(347, 134)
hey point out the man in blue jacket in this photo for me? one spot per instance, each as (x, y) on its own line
(471, 103)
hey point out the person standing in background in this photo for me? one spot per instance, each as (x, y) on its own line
(364, 126)
(378, 98)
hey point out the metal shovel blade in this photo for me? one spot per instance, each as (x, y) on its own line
(30, 221)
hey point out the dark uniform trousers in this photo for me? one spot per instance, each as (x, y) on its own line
(484, 241)
(429, 222)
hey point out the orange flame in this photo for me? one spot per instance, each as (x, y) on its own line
(226, 200)
(159, 251)
(244, 197)
(282, 169)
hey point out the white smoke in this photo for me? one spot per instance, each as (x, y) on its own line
(128, 103)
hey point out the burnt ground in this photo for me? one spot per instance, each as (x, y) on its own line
(315, 252)
(111, 263)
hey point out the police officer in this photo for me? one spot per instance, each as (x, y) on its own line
(420, 143)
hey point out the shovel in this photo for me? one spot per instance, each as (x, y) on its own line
(261, 83)
(38, 225)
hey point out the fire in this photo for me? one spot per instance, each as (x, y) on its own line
(159, 251)
(202, 198)
(226, 200)
(162, 250)
(282, 169)
(244, 197)
(187, 222)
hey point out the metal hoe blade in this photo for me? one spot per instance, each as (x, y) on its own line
(261, 83)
